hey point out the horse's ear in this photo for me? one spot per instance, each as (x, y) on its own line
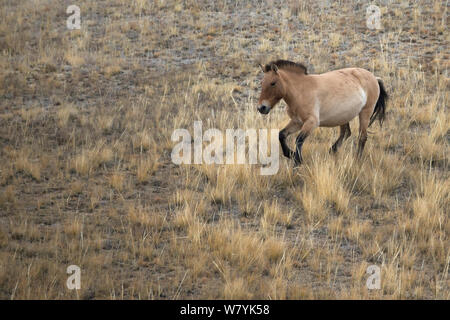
(262, 67)
(274, 67)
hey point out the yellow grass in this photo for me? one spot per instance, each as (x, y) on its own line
(86, 118)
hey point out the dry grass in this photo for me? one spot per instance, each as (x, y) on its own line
(86, 120)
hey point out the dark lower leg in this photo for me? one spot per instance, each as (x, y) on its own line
(293, 126)
(306, 130)
(337, 144)
(364, 117)
(287, 152)
(298, 151)
(344, 134)
(361, 144)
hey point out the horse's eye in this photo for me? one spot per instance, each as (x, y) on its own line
(273, 83)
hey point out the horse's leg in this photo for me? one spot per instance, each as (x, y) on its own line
(305, 131)
(344, 134)
(364, 117)
(293, 126)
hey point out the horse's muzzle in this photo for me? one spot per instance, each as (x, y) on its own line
(264, 109)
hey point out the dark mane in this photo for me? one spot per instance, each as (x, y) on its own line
(285, 64)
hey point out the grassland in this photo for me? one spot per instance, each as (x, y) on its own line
(86, 177)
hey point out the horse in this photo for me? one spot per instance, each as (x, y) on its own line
(329, 99)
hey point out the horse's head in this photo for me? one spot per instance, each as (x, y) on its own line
(272, 88)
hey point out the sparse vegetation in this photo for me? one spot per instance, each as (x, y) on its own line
(86, 120)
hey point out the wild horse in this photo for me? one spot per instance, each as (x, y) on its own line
(322, 100)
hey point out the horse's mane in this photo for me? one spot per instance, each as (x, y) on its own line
(286, 64)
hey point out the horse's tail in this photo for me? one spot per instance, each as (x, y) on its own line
(380, 108)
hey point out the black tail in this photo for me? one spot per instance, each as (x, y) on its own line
(380, 107)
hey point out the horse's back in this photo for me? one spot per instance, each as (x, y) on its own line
(343, 93)
(359, 76)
